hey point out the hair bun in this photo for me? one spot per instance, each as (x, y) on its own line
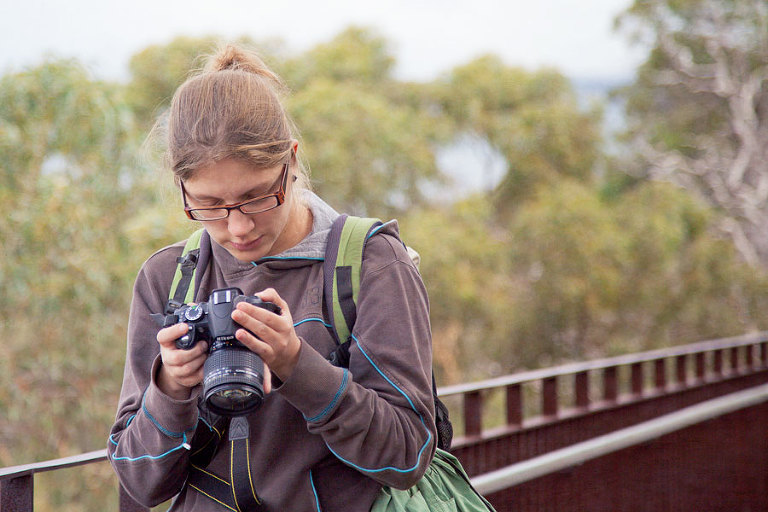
(236, 58)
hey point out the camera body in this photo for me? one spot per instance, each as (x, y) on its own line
(232, 375)
(212, 321)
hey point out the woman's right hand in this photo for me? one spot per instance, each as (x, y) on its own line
(181, 369)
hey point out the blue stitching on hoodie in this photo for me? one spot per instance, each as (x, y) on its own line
(162, 429)
(183, 445)
(313, 320)
(314, 491)
(410, 402)
(379, 228)
(325, 411)
(286, 258)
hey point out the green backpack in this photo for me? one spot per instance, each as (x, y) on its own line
(444, 487)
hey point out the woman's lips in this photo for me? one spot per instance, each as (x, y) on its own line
(248, 246)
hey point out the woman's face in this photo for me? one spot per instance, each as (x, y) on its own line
(248, 237)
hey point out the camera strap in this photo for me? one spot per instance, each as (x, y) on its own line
(238, 492)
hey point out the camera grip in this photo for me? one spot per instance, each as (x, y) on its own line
(187, 341)
(252, 299)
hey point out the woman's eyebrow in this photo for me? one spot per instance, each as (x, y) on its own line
(257, 191)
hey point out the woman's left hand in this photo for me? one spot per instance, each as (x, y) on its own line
(272, 337)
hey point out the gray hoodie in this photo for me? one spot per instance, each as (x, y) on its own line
(327, 438)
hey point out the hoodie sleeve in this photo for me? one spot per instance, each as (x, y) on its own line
(149, 443)
(378, 416)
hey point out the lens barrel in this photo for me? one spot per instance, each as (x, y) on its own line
(233, 381)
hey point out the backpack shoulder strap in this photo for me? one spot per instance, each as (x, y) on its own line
(341, 284)
(341, 271)
(186, 270)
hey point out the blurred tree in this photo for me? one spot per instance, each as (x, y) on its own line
(369, 155)
(577, 274)
(636, 272)
(68, 179)
(698, 110)
(158, 70)
(370, 142)
(467, 271)
(532, 118)
(356, 55)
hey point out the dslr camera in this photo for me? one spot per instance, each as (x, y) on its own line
(233, 376)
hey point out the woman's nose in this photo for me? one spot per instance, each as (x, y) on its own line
(239, 224)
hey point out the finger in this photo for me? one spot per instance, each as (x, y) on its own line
(255, 343)
(261, 314)
(169, 335)
(267, 380)
(271, 295)
(179, 357)
(261, 323)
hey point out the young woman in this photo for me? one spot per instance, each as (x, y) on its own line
(326, 437)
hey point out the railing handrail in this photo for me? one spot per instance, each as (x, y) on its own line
(599, 364)
(52, 465)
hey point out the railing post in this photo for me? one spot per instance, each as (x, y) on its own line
(637, 379)
(660, 369)
(473, 413)
(718, 363)
(701, 367)
(764, 353)
(581, 382)
(610, 384)
(734, 359)
(514, 405)
(549, 397)
(17, 494)
(681, 370)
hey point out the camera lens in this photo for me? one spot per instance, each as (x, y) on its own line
(233, 381)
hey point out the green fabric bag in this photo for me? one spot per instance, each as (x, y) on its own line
(445, 487)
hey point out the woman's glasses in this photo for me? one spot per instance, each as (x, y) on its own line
(250, 207)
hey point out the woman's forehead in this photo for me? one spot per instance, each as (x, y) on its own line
(231, 178)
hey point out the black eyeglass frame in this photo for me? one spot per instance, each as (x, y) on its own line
(279, 196)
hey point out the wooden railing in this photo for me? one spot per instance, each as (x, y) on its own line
(17, 482)
(522, 417)
(649, 373)
(539, 411)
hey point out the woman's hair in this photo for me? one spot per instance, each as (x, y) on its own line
(230, 109)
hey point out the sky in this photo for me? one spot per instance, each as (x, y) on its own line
(427, 37)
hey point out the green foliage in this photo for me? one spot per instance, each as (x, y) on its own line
(68, 179)
(370, 148)
(559, 263)
(467, 273)
(355, 55)
(368, 154)
(577, 274)
(532, 119)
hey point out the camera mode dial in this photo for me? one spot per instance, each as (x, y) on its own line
(193, 313)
